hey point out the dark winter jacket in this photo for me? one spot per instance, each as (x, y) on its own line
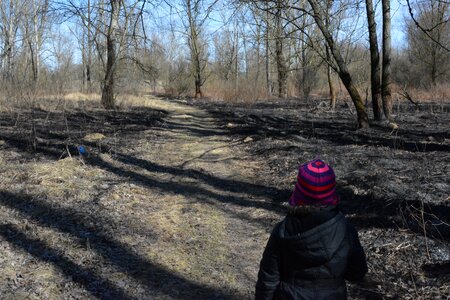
(309, 256)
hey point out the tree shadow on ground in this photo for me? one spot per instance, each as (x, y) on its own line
(56, 136)
(197, 193)
(248, 192)
(86, 277)
(66, 220)
(229, 185)
(338, 131)
(367, 211)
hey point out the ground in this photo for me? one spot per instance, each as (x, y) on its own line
(175, 199)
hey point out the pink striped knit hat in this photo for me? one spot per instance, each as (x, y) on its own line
(316, 185)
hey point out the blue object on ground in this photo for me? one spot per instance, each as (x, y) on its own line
(82, 150)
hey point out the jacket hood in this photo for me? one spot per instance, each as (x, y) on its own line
(316, 246)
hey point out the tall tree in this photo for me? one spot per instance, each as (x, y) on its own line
(111, 60)
(328, 58)
(425, 28)
(10, 14)
(386, 71)
(279, 55)
(375, 69)
(342, 69)
(34, 29)
(197, 16)
(427, 51)
(267, 38)
(113, 26)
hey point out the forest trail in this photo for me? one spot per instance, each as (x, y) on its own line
(170, 212)
(211, 220)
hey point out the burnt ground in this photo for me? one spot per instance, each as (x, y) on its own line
(175, 199)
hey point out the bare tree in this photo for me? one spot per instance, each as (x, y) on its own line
(10, 13)
(386, 69)
(197, 16)
(375, 69)
(112, 51)
(342, 69)
(113, 27)
(34, 28)
(279, 56)
(267, 38)
(88, 46)
(428, 55)
(428, 28)
(328, 58)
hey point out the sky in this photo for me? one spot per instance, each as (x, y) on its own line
(399, 12)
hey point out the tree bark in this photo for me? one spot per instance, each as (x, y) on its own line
(330, 82)
(195, 48)
(267, 50)
(386, 72)
(375, 69)
(344, 74)
(108, 100)
(328, 57)
(9, 18)
(281, 62)
(89, 48)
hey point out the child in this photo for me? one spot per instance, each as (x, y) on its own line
(313, 251)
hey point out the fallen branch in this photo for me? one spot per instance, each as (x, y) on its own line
(407, 96)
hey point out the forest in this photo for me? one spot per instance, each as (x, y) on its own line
(149, 147)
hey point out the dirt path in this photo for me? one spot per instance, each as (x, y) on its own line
(210, 219)
(170, 212)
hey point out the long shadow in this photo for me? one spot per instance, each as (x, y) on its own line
(86, 277)
(187, 190)
(362, 216)
(339, 132)
(229, 185)
(57, 148)
(366, 211)
(151, 275)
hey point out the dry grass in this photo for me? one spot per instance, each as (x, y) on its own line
(78, 96)
(68, 177)
(246, 91)
(439, 94)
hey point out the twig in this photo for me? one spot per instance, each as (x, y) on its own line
(424, 229)
(408, 97)
(414, 284)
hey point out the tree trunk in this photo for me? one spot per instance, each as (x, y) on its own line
(305, 85)
(375, 70)
(386, 72)
(328, 56)
(258, 55)
(281, 63)
(108, 100)
(330, 82)
(236, 61)
(9, 18)
(267, 39)
(363, 120)
(195, 48)
(89, 48)
(36, 44)
(198, 81)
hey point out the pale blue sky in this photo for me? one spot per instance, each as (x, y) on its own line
(399, 12)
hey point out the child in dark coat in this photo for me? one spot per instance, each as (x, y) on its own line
(313, 251)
